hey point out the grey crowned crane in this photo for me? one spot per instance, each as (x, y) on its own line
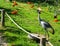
(45, 24)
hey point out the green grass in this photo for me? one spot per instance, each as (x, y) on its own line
(28, 19)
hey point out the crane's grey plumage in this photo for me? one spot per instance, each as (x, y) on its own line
(44, 24)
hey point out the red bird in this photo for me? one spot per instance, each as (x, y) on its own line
(14, 12)
(32, 6)
(14, 3)
(28, 2)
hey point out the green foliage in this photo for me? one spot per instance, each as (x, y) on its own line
(28, 19)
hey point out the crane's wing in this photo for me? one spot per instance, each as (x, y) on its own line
(47, 25)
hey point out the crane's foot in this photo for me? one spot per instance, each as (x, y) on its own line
(47, 37)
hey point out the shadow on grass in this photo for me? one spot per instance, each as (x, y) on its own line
(24, 1)
(6, 37)
(9, 39)
(14, 30)
(7, 10)
(18, 45)
(27, 30)
(2, 31)
(11, 30)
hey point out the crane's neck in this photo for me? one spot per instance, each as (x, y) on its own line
(39, 17)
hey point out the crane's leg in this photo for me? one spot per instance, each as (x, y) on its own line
(46, 34)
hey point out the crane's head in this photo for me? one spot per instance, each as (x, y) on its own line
(39, 10)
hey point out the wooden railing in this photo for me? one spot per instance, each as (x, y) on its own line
(2, 16)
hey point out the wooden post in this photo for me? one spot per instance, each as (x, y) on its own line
(5, 44)
(42, 41)
(2, 17)
(0, 40)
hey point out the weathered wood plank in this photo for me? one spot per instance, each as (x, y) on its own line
(2, 17)
(42, 41)
(0, 9)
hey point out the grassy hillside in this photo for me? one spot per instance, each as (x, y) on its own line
(27, 18)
